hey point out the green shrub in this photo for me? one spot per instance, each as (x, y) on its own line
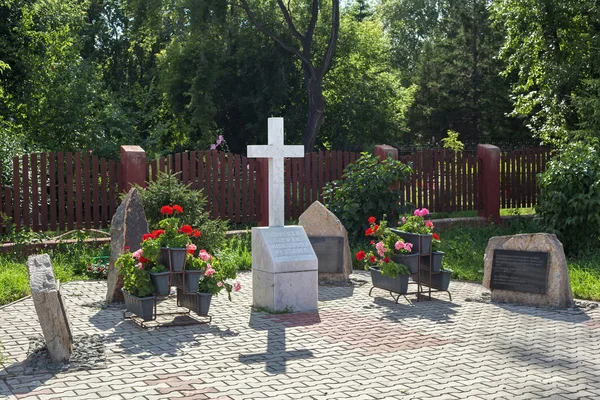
(237, 252)
(569, 201)
(367, 188)
(167, 190)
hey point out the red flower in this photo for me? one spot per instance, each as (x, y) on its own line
(196, 233)
(372, 220)
(126, 248)
(166, 210)
(156, 234)
(147, 236)
(369, 232)
(177, 208)
(143, 260)
(187, 229)
(386, 260)
(360, 255)
(372, 242)
(375, 228)
(436, 236)
(372, 259)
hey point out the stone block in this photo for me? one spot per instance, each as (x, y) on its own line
(50, 309)
(558, 293)
(126, 230)
(318, 221)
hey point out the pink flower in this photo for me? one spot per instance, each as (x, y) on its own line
(213, 146)
(417, 213)
(429, 224)
(408, 247)
(140, 266)
(191, 248)
(399, 245)
(380, 248)
(209, 271)
(137, 253)
(237, 286)
(204, 255)
(220, 140)
(424, 212)
(403, 219)
(220, 284)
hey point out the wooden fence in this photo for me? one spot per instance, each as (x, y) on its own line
(60, 191)
(231, 182)
(518, 170)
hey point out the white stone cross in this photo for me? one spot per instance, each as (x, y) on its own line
(275, 151)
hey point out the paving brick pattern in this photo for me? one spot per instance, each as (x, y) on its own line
(356, 347)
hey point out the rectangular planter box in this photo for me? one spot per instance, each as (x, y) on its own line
(160, 281)
(436, 264)
(421, 243)
(398, 284)
(439, 281)
(410, 260)
(192, 279)
(197, 302)
(173, 259)
(143, 307)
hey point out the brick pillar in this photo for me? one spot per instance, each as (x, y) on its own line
(262, 207)
(384, 151)
(133, 167)
(488, 157)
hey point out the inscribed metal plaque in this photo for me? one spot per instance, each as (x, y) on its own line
(520, 271)
(330, 253)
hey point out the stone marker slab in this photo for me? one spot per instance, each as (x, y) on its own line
(284, 269)
(558, 289)
(330, 253)
(50, 309)
(319, 222)
(520, 271)
(126, 229)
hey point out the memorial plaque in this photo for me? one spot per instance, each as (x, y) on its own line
(330, 253)
(286, 243)
(520, 271)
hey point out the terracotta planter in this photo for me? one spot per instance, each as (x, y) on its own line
(421, 243)
(160, 280)
(439, 280)
(173, 258)
(192, 279)
(410, 260)
(398, 284)
(436, 264)
(143, 307)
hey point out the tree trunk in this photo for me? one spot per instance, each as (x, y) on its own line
(316, 110)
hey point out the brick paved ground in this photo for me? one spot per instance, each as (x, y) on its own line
(356, 347)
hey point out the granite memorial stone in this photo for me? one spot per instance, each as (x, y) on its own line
(126, 230)
(284, 264)
(528, 269)
(50, 308)
(329, 239)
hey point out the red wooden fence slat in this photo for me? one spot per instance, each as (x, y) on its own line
(61, 190)
(209, 183)
(201, 177)
(315, 178)
(237, 190)
(473, 205)
(252, 184)
(463, 173)
(53, 206)
(25, 190)
(8, 202)
(113, 189)
(328, 177)
(70, 207)
(244, 174)
(222, 173)
(16, 194)
(95, 192)
(192, 166)
(230, 185)
(104, 218)
(185, 172)
(287, 188)
(35, 209)
(87, 195)
(295, 164)
(154, 170)
(215, 175)
(78, 191)
(340, 165)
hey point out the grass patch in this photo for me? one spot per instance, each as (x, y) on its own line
(69, 262)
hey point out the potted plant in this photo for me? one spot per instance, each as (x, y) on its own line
(439, 281)
(388, 244)
(137, 286)
(148, 256)
(436, 254)
(161, 279)
(189, 279)
(174, 238)
(416, 230)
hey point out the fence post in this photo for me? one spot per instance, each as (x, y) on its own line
(488, 157)
(133, 167)
(262, 184)
(384, 151)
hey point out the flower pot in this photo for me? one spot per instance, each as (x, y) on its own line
(197, 302)
(143, 307)
(192, 279)
(173, 258)
(436, 264)
(421, 243)
(439, 280)
(398, 284)
(160, 280)
(410, 260)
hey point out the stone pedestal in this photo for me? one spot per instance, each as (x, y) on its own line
(50, 309)
(284, 269)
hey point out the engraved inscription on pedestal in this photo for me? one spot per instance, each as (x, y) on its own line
(287, 243)
(330, 252)
(520, 271)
